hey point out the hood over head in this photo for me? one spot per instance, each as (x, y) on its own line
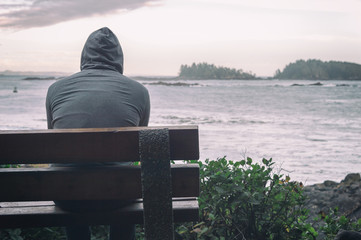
(102, 50)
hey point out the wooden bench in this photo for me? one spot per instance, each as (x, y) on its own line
(163, 193)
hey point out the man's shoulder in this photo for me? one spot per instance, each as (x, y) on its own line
(137, 84)
(60, 83)
(64, 79)
(101, 75)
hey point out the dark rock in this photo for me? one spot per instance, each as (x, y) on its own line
(316, 84)
(326, 196)
(348, 235)
(328, 183)
(351, 178)
(345, 195)
(181, 84)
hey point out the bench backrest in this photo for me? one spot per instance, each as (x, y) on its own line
(90, 145)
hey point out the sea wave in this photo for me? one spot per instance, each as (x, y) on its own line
(177, 84)
(210, 120)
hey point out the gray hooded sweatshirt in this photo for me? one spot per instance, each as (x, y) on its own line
(100, 95)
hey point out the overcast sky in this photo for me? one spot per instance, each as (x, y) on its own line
(158, 36)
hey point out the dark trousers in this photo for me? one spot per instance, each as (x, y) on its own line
(116, 232)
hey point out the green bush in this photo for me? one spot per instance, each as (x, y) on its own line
(55, 233)
(246, 200)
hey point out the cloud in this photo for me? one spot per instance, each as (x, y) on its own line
(21, 14)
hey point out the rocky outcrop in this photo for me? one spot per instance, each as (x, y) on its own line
(348, 235)
(345, 195)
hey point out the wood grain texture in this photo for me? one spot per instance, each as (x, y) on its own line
(92, 183)
(90, 145)
(42, 214)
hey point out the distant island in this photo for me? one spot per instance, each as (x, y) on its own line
(33, 74)
(39, 78)
(210, 71)
(313, 69)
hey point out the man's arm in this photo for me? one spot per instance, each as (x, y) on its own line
(49, 115)
(145, 118)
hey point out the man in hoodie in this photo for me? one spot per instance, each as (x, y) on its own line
(98, 96)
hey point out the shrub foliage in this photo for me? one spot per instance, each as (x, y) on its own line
(246, 200)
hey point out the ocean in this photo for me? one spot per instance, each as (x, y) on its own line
(311, 129)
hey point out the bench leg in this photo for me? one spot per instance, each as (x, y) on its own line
(156, 184)
(78, 232)
(122, 232)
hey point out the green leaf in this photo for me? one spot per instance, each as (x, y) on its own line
(220, 190)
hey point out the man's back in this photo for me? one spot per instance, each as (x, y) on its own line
(97, 98)
(100, 95)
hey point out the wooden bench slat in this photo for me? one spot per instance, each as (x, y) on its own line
(89, 145)
(42, 214)
(91, 183)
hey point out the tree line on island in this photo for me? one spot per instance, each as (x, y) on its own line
(210, 71)
(311, 69)
(318, 70)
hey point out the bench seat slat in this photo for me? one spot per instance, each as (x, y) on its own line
(89, 145)
(97, 183)
(42, 214)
